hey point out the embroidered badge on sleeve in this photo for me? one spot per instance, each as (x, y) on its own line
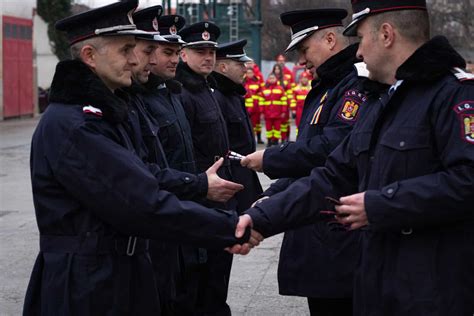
(353, 99)
(465, 112)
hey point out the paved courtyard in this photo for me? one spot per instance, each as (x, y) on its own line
(253, 288)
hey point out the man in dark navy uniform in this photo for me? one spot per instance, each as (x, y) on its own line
(144, 126)
(210, 141)
(159, 95)
(309, 265)
(404, 176)
(229, 74)
(96, 201)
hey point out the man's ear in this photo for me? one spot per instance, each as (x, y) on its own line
(223, 67)
(331, 40)
(387, 33)
(182, 54)
(88, 55)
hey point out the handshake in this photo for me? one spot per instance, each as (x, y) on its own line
(349, 214)
(254, 240)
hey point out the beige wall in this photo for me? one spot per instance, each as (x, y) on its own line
(18, 8)
(45, 59)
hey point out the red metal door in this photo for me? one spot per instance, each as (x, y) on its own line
(17, 67)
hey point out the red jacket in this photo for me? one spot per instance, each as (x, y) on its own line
(299, 95)
(253, 97)
(274, 101)
(288, 75)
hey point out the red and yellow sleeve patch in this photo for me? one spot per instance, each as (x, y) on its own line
(353, 100)
(465, 112)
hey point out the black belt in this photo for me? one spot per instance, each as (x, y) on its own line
(93, 244)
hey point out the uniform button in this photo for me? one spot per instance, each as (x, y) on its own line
(402, 144)
(372, 157)
(281, 146)
(407, 231)
(187, 179)
(390, 191)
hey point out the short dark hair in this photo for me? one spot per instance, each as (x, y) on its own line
(413, 25)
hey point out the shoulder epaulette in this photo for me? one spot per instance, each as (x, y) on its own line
(92, 110)
(462, 75)
(361, 69)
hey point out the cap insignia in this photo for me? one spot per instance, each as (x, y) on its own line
(155, 24)
(173, 30)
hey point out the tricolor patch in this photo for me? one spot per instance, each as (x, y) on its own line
(318, 111)
(465, 112)
(92, 110)
(350, 106)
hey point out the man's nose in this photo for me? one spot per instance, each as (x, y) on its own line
(301, 59)
(152, 59)
(359, 54)
(132, 58)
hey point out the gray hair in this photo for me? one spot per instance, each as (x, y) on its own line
(337, 30)
(98, 42)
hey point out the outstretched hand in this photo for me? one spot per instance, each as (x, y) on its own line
(220, 190)
(253, 161)
(254, 240)
(351, 212)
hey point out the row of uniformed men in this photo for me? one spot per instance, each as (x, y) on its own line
(118, 95)
(402, 177)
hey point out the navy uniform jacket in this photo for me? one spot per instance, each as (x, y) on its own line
(325, 121)
(144, 129)
(92, 196)
(413, 155)
(229, 95)
(209, 132)
(162, 101)
(317, 260)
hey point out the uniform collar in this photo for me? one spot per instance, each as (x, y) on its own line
(431, 61)
(338, 66)
(74, 83)
(191, 80)
(154, 82)
(227, 86)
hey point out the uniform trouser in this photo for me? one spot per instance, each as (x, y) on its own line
(273, 127)
(188, 282)
(167, 267)
(255, 119)
(214, 284)
(330, 306)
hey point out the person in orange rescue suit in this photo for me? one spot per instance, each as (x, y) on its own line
(299, 95)
(274, 109)
(287, 86)
(287, 73)
(256, 70)
(253, 101)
